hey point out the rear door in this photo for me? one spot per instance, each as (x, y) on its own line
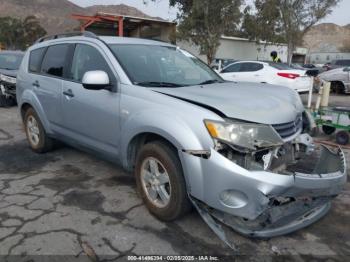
(91, 117)
(250, 72)
(47, 82)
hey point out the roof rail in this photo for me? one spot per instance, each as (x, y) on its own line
(69, 34)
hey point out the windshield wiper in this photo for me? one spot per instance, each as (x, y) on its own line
(211, 81)
(158, 84)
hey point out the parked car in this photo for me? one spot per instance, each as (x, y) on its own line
(9, 64)
(339, 78)
(268, 72)
(236, 151)
(310, 66)
(337, 64)
(311, 70)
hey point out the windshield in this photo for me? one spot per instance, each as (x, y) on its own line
(10, 61)
(163, 66)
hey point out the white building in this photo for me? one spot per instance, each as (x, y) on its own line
(239, 49)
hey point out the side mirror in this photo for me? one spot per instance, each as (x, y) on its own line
(95, 80)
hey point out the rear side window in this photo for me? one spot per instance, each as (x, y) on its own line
(232, 68)
(55, 60)
(251, 67)
(35, 59)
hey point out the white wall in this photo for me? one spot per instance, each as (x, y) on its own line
(322, 58)
(239, 49)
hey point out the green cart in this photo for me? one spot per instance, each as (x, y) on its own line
(332, 119)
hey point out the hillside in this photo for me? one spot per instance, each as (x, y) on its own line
(117, 9)
(55, 15)
(327, 37)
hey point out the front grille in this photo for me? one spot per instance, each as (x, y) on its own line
(288, 129)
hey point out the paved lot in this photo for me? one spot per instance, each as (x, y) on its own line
(335, 100)
(69, 203)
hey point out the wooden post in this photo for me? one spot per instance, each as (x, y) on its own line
(120, 26)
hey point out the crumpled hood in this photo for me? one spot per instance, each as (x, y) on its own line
(6, 72)
(260, 103)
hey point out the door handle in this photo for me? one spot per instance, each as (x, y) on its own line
(69, 93)
(36, 83)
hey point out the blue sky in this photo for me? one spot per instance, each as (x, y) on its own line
(161, 8)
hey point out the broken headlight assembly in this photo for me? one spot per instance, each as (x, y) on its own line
(245, 136)
(254, 146)
(8, 79)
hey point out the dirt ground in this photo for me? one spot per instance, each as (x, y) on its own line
(67, 202)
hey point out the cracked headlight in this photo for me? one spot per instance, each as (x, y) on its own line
(245, 135)
(8, 79)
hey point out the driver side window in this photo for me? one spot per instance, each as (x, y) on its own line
(87, 58)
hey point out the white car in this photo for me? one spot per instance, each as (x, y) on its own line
(339, 78)
(268, 72)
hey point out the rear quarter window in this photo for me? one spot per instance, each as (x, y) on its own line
(35, 59)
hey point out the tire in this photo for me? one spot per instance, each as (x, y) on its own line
(33, 125)
(342, 137)
(338, 87)
(6, 102)
(167, 162)
(328, 130)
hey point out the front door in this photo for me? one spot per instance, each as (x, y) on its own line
(91, 117)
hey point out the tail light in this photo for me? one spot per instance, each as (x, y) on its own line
(289, 75)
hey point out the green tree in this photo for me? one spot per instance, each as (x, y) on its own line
(203, 22)
(19, 34)
(32, 30)
(284, 20)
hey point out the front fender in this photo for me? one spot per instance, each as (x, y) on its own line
(166, 125)
(29, 97)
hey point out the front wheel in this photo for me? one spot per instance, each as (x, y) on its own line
(328, 130)
(160, 181)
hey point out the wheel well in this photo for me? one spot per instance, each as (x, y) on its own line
(24, 108)
(138, 141)
(337, 83)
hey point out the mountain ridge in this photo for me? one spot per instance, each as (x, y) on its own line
(55, 16)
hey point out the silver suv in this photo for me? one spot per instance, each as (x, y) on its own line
(238, 152)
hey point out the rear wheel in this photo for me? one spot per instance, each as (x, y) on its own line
(338, 87)
(160, 181)
(36, 135)
(342, 137)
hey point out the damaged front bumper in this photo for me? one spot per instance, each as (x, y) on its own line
(7, 89)
(263, 204)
